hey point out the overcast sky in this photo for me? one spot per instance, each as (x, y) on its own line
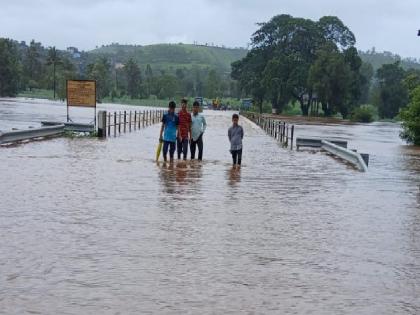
(389, 25)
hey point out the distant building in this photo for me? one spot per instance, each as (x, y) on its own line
(118, 65)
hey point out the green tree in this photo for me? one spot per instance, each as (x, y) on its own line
(283, 51)
(248, 73)
(66, 70)
(366, 76)
(9, 68)
(32, 65)
(54, 59)
(133, 77)
(167, 85)
(278, 86)
(334, 31)
(411, 118)
(393, 93)
(149, 80)
(355, 81)
(330, 78)
(213, 84)
(100, 71)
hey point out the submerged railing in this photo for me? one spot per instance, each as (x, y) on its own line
(282, 131)
(123, 121)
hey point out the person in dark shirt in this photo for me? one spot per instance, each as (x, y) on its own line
(169, 130)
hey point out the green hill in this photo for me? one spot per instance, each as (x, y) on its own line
(173, 56)
(164, 56)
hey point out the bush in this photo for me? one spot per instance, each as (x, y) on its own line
(410, 117)
(364, 113)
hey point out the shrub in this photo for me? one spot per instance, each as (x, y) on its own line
(364, 113)
(410, 117)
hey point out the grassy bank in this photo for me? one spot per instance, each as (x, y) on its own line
(37, 93)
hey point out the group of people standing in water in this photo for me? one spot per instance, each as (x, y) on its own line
(183, 129)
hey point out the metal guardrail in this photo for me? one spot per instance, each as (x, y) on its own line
(346, 154)
(20, 135)
(71, 126)
(317, 142)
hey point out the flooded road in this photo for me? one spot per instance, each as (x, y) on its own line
(92, 226)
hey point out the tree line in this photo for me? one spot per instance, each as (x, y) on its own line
(316, 64)
(27, 67)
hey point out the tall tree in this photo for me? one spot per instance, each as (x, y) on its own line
(355, 81)
(393, 93)
(213, 84)
(133, 77)
(334, 31)
(54, 59)
(149, 80)
(330, 78)
(366, 73)
(32, 66)
(66, 70)
(101, 73)
(411, 118)
(248, 72)
(289, 45)
(9, 68)
(167, 86)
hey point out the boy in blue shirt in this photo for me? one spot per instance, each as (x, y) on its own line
(169, 130)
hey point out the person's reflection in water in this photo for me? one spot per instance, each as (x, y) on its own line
(181, 172)
(234, 176)
(179, 176)
(166, 174)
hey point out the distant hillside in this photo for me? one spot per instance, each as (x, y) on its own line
(164, 56)
(377, 59)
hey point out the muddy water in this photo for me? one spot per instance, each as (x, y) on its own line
(93, 226)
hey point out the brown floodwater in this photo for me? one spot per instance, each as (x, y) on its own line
(91, 226)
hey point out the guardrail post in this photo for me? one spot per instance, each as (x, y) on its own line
(125, 119)
(109, 124)
(115, 124)
(139, 122)
(135, 120)
(272, 128)
(102, 124)
(291, 137)
(129, 122)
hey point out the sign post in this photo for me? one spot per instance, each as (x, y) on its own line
(81, 93)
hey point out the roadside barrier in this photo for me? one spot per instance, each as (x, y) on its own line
(20, 135)
(282, 131)
(118, 122)
(121, 122)
(350, 156)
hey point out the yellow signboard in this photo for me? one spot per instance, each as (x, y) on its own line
(81, 93)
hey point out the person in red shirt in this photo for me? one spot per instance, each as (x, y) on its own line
(184, 131)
